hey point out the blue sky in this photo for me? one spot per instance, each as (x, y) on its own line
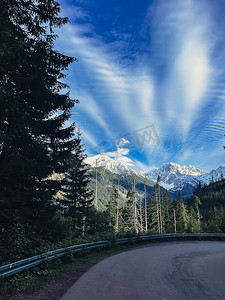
(150, 78)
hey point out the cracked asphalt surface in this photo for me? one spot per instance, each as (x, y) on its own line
(188, 270)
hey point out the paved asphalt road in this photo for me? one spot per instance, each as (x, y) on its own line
(166, 271)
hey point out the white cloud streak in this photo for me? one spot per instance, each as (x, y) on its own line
(171, 90)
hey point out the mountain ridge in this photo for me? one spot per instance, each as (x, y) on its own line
(173, 177)
(112, 165)
(114, 173)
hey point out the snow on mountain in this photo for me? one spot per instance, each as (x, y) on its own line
(215, 175)
(169, 171)
(175, 177)
(113, 165)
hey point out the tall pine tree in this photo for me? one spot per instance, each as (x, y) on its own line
(78, 199)
(34, 140)
(153, 215)
(128, 212)
(181, 214)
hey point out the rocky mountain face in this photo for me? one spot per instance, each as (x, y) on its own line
(112, 165)
(214, 175)
(114, 173)
(175, 177)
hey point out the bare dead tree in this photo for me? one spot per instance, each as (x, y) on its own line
(146, 217)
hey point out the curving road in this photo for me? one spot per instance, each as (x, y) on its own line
(166, 271)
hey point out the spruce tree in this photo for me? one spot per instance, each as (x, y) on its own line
(128, 212)
(193, 224)
(112, 213)
(78, 199)
(153, 215)
(167, 212)
(181, 214)
(197, 204)
(34, 140)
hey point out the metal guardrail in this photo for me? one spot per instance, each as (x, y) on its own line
(25, 264)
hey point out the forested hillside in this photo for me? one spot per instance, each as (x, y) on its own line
(211, 205)
(106, 180)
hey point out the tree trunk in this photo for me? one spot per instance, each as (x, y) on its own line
(160, 212)
(157, 208)
(117, 218)
(141, 227)
(175, 222)
(199, 221)
(146, 220)
(134, 208)
(96, 187)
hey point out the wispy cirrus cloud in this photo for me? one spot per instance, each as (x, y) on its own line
(167, 71)
(112, 88)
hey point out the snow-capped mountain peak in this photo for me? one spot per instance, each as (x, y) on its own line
(175, 177)
(215, 175)
(113, 165)
(170, 169)
(185, 170)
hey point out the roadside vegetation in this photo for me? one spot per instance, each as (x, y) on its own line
(37, 277)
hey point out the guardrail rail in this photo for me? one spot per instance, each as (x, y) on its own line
(25, 264)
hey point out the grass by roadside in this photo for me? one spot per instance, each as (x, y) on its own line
(37, 277)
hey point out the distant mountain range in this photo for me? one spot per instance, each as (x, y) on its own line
(174, 177)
